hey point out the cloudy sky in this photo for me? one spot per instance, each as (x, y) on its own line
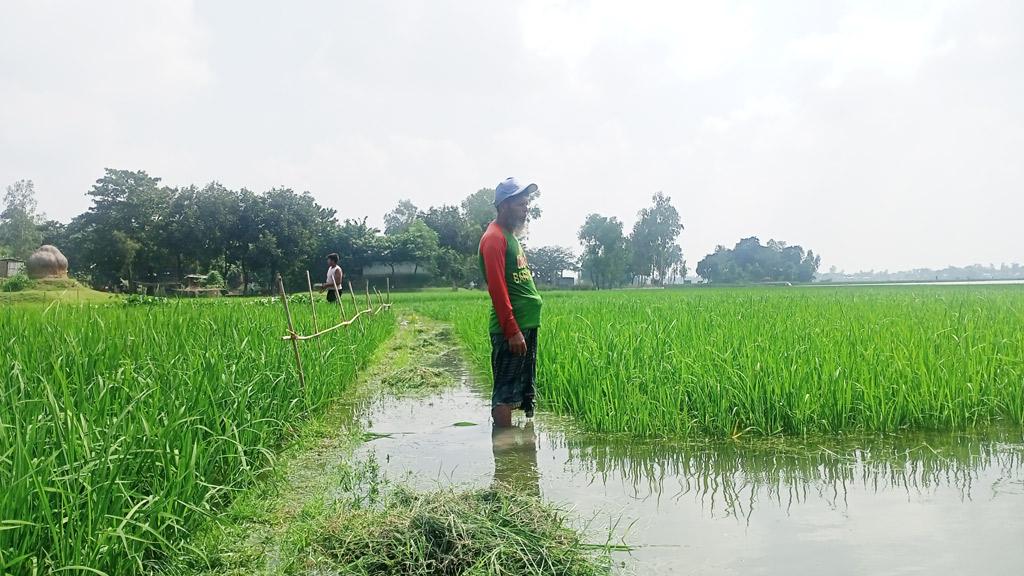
(881, 134)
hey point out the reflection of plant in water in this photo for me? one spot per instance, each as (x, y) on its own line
(732, 477)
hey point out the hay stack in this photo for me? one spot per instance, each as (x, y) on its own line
(47, 262)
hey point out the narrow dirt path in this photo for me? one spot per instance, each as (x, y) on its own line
(265, 530)
(334, 487)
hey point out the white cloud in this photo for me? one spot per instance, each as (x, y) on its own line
(868, 39)
(770, 106)
(695, 39)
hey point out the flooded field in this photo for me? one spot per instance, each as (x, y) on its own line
(918, 504)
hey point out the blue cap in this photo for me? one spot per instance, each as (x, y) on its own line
(509, 188)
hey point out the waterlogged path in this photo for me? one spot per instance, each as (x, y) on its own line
(915, 505)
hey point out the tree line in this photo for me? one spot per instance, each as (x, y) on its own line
(140, 230)
(973, 272)
(750, 261)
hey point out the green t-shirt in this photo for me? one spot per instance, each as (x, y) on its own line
(501, 256)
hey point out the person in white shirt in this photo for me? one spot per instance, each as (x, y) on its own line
(334, 277)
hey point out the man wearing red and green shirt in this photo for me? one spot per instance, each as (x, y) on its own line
(516, 304)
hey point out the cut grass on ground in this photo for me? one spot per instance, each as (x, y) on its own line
(487, 531)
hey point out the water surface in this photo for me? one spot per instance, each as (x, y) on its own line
(916, 504)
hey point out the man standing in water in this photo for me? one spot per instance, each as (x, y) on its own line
(516, 304)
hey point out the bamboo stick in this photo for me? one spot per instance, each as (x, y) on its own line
(389, 289)
(312, 306)
(300, 337)
(349, 322)
(352, 293)
(337, 292)
(291, 333)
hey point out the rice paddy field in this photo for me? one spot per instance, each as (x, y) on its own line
(124, 426)
(770, 361)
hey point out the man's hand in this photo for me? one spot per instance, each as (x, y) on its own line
(517, 344)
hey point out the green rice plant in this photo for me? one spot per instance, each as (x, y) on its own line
(123, 427)
(770, 361)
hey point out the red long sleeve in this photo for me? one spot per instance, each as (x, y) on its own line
(492, 248)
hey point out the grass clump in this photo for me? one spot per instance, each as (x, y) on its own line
(15, 283)
(489, 531)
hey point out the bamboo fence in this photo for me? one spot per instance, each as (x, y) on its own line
(295, 337)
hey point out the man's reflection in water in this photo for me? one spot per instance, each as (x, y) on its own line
(515, 458)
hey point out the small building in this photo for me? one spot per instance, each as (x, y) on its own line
(195, 287)
(195, 281)
(383, 269)
(565, 282)
(156, 288)
(10, 267)
(401, 275)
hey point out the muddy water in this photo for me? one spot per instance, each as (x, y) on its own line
(918, 505)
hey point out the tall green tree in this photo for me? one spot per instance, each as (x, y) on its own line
(750, 261)
(417, 244)
(605, 253)
(19, 220)
(135, 205)
(549, 262)
(653, 243)
(454, 267)
(457, 240)
(297, 224)
(54, 233)
(679, 269)
(357, 245)
(479, 210)
(125, 250)
(454, 230)
(199, 225)
(399, 219)
(247, 242)
(181, 233)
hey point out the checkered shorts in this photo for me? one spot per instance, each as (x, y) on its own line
(514, 376)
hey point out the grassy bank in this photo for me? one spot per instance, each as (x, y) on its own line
(768, 361)
(125, 426)
(49, 291)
